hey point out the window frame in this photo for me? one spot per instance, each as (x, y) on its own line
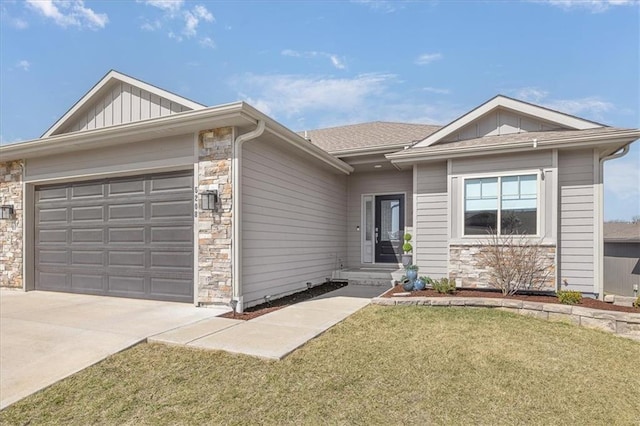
(538, 173)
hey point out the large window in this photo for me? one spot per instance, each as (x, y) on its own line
(506, 204)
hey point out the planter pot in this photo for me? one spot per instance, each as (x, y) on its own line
(407, 285)
(412, 274)
(419, 285)
(407, 259)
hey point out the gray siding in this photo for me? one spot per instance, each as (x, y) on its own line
(123, 103)
(500, 164)
(384, 182)
(576, 219)
(293, 221)
(621, 267)
(165, 152)
(501, 122)
(430, 231)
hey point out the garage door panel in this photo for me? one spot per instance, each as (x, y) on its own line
(129, 237)
(87, 283)
(93, 190)
(55, 215)
(52, 194)
(89, 235)
(127, 187)
(127, 211)
(52, 236)
(171, 234)
(52, 257)
(130, 259)
(172, 209)
(90, 213)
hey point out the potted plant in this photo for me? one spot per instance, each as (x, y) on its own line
(407, 248)
(412, 272)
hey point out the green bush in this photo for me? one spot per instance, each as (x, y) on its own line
(427, 280)
(569, 297)
(636, 304)
(407, 247)
(444, 285)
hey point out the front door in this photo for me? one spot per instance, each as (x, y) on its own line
(389, 228)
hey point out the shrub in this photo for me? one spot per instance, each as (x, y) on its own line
(636, 304)
(427, 280)
(515, 262)
(407, 247)
(444, 285)
(569, 297)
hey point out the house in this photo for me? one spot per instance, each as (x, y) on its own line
(622, 258)
(138, 192)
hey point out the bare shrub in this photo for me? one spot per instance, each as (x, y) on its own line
(515, 262)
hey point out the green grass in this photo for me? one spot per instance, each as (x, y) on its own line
(383, 365)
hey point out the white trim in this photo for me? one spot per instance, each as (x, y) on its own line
(555, 232)
(196, 218)
(513, 105)
(598, 209)
(499, 176)
(414, 216)
(374, 195)
(363, 221)
(105, 81)
(449, 212)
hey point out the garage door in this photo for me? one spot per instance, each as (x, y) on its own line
(128, 237)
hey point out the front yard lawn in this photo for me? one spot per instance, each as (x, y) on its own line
(383, 365)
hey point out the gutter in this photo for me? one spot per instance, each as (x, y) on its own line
(600, 224)
(236, 209)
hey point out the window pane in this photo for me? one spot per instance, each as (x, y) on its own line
(518, 205)
(510, 187)
(481, 206)
(521, 221)
(368, 226)
(489, 188)
(480, 222)
(472, 188)
(529, 185)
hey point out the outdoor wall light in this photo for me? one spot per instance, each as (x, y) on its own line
(6, 212)
(208, 200)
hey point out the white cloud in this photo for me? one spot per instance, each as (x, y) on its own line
(19, 24)
(303, 101)
(174, 13)
(427, 58)
(589, 106)
(594, 6)
(436, 90)
(69, 13)
(383, 6)
(24, 65)
(207, 42)
(335, 60)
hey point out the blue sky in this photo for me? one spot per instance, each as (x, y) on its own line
(312, 64)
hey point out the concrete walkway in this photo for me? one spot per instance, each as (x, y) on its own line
(47, 336)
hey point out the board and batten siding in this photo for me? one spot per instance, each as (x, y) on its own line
(168, 152)
(430, 230)
(293, 221)
(123, 103)
(501, 164)
(382, 182)
(576, 219)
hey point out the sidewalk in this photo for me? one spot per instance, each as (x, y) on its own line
(274, 335)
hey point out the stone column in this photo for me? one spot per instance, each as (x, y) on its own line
(215, 227)
(11, 230)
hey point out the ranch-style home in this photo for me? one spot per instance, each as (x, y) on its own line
(138, 192)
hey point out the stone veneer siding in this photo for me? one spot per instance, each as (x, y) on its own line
(11, 230)
(465, 266)
(215, 227)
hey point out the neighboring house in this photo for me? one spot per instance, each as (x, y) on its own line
(622, 258)
(138, 192)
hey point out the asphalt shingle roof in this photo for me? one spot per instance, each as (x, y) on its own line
(369, 135)
(620, 231)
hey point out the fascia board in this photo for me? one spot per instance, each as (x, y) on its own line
(384, 149)
(511, 104)
(410, 158)
(106, 80)
(125, 133)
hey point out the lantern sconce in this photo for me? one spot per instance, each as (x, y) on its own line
(208, 200)
(6, 212)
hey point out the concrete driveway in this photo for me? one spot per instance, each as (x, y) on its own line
(46, 336)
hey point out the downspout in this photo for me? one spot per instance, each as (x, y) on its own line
(236, 211)
(600, 260)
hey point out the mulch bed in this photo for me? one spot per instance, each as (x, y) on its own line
(586, 302)
(274, 305)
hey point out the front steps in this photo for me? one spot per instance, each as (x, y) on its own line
(380, 277)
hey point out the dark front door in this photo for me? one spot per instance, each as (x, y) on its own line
(389, 228)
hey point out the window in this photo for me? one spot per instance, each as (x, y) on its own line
(510, 201)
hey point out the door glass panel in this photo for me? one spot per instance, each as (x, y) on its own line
(390, 220)
(368, 226)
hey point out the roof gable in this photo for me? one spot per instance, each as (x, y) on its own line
(118, 99)
(502, 115)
